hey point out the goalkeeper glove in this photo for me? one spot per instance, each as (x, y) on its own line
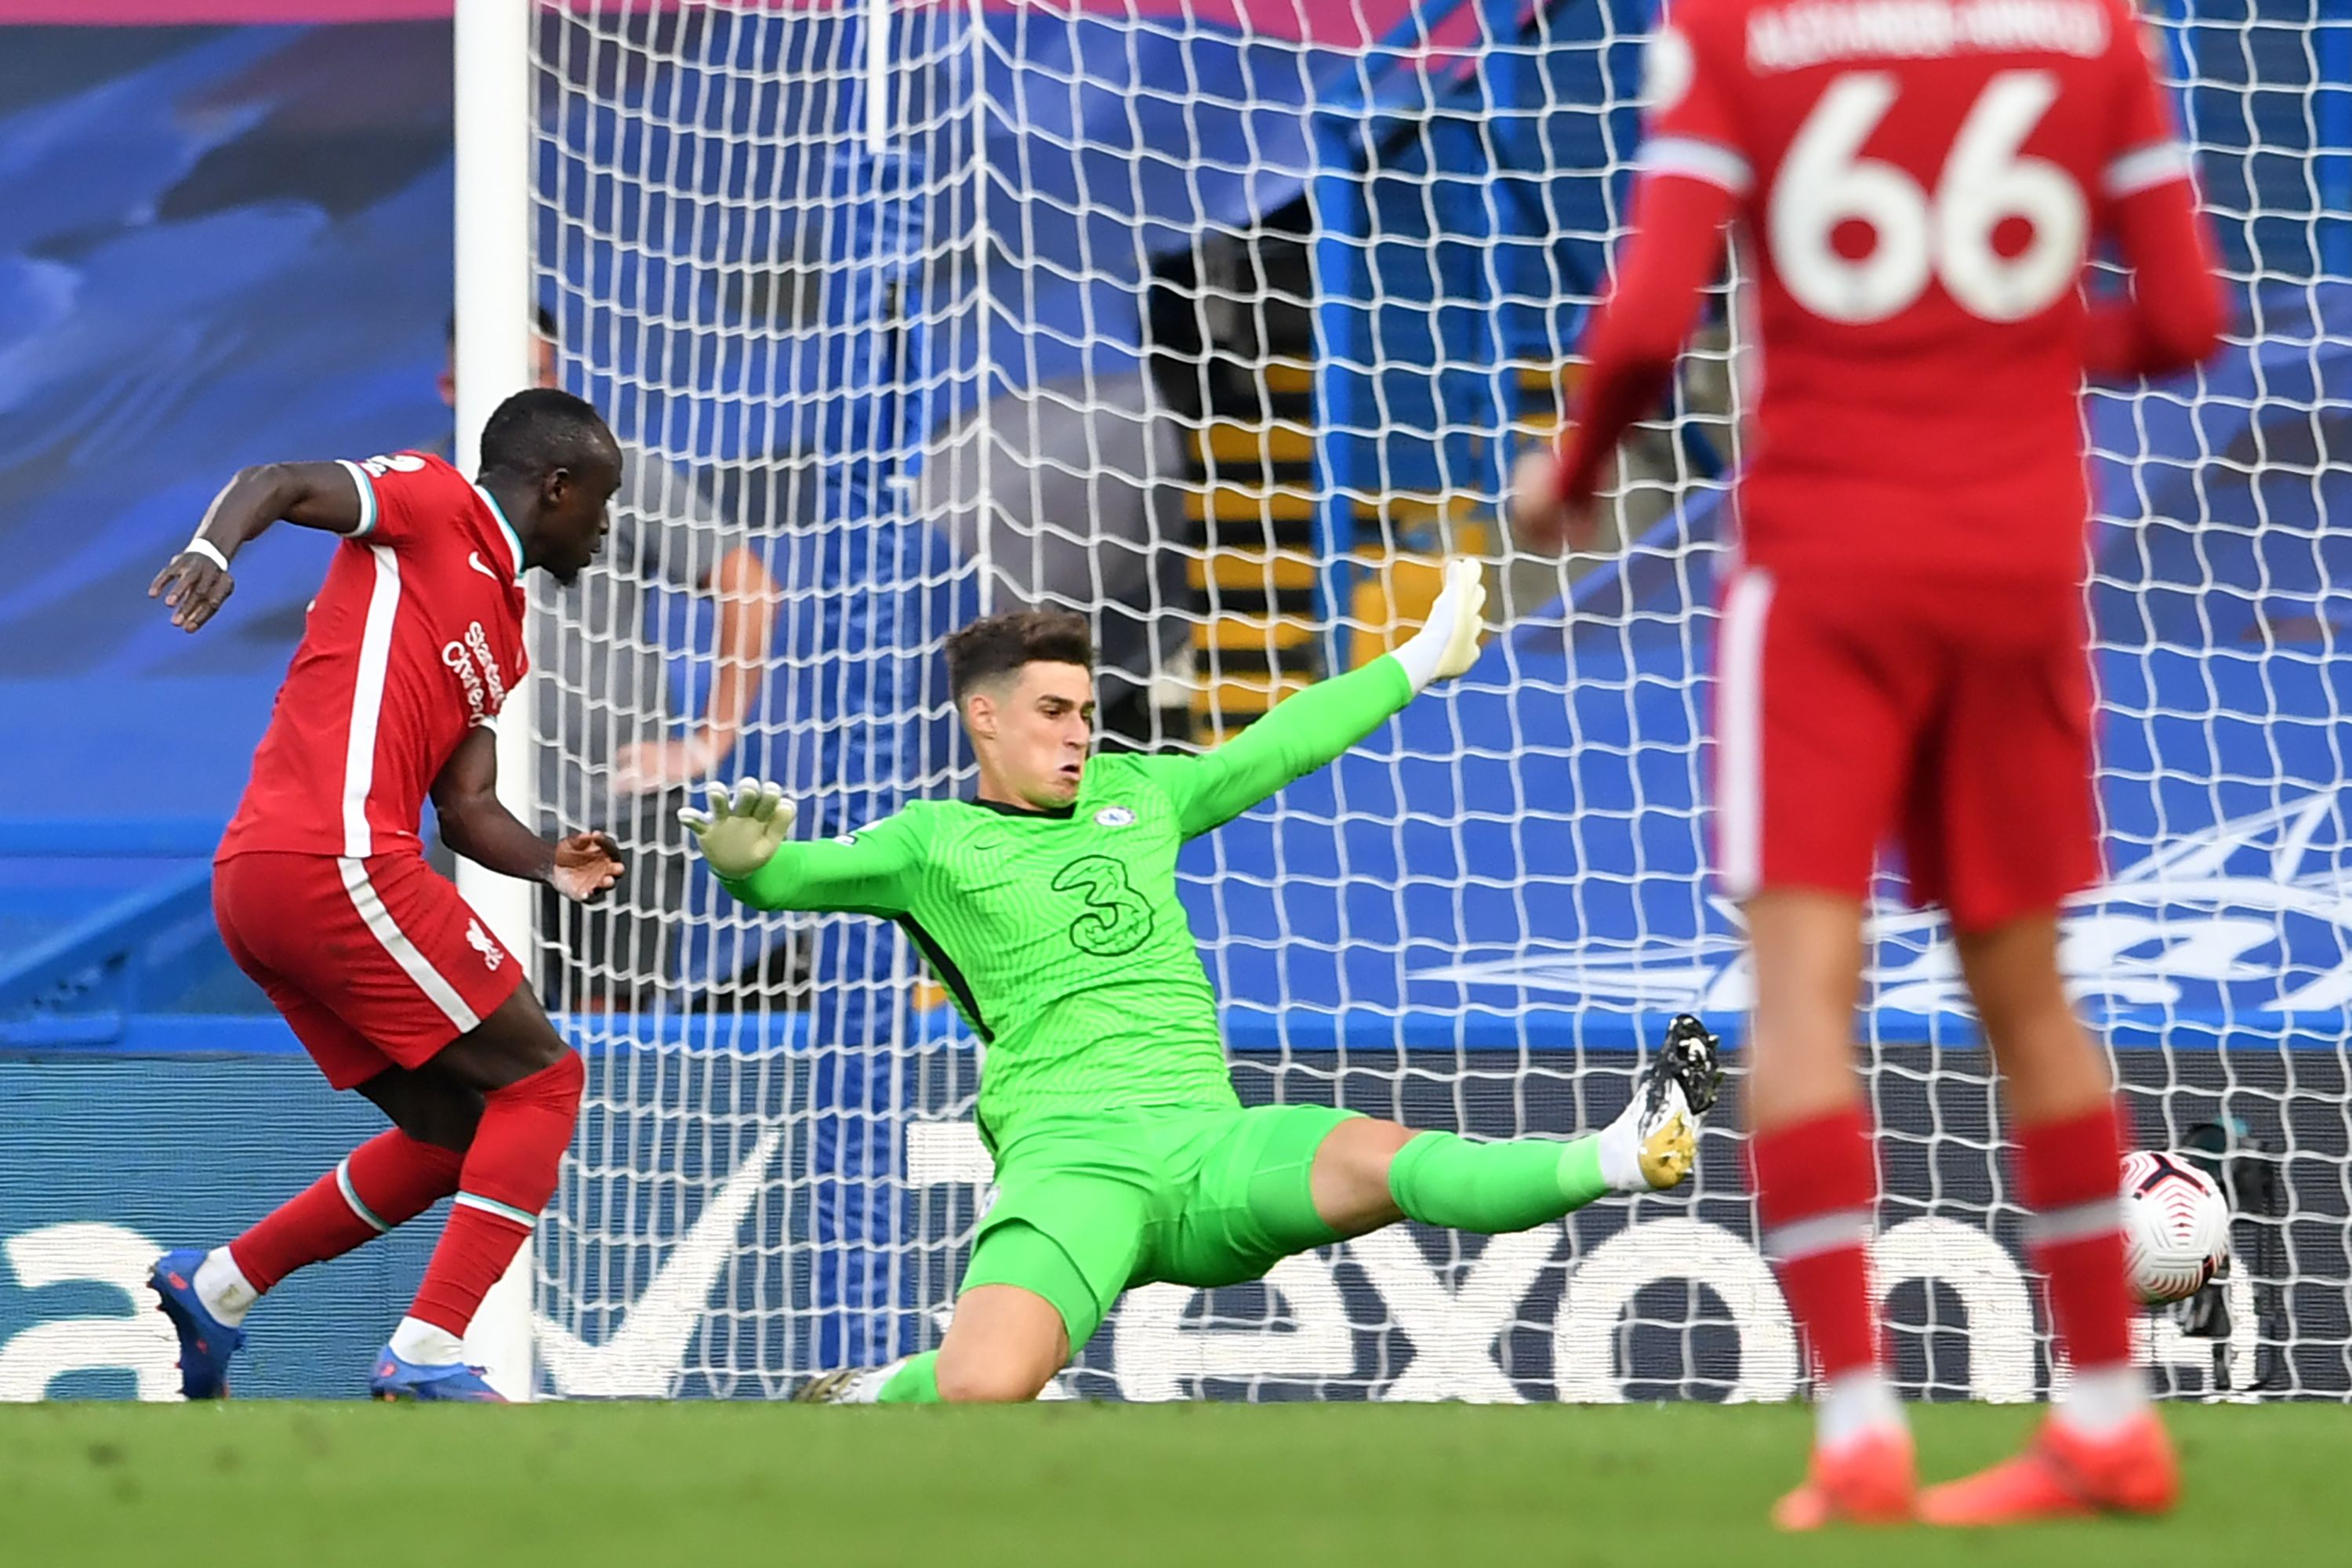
(1448, 644)
(739, 835)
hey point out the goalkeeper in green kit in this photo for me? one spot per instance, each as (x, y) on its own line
(1048, 907)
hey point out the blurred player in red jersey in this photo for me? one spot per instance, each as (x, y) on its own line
(394, 984)
(1902, 654)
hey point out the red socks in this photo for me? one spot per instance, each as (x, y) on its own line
(1817, 1197)
(501, 1182)
(507, 1178)
(1817, 1191)
(2066, 1172)
(387, 1181)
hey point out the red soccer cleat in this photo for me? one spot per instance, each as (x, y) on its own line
(2065, 1475)
(1870, 1481)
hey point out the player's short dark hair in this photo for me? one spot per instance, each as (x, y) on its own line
(997, 646)
(536, 432)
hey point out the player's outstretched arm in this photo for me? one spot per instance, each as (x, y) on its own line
(746, 834)
(477, 825)
(195, 583)
(1305, 731)
(1675, 248)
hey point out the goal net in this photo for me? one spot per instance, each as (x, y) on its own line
(1221, 323)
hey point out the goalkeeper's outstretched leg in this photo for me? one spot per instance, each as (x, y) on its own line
(1372, 1173)
(1091, 1208)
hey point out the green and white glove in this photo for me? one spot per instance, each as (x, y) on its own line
(1448, 644)
(741, 833)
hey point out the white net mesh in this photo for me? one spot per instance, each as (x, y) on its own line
(1220, 323)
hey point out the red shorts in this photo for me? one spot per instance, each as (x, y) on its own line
(375, 963)
(1954, 719)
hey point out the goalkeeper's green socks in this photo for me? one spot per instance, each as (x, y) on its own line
(1445, 1179)
(915, 1381)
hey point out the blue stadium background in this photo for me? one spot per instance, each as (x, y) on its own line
(225, 245)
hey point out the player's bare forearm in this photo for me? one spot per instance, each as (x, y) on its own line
(747, 596)
(747, 599)
(309, 495)
(195, 582)
(477, 825)
(481, 829)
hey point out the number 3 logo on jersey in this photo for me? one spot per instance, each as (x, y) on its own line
(1118, 919)
(1825, 182)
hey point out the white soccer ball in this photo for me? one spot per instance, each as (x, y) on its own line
(2176, 1226)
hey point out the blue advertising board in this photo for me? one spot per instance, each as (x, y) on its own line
(112, 1158)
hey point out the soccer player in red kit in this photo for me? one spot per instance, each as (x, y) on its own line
(1914, 185)
(395, 986)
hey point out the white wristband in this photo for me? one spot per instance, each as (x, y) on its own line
(200, 545)
(1419, 652)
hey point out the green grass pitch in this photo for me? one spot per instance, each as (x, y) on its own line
(734, 1485)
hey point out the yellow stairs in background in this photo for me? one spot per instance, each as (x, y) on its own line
(1254, 501)
(1393, 588)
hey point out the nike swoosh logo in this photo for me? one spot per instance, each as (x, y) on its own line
(474, 559)
(641, 1360)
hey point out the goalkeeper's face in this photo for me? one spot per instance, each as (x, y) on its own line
(1032, 731)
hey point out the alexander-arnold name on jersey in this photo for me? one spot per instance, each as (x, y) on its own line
(1814, 32)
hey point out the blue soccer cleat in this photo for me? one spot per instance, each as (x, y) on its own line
(205, 1342)
(396, 1379)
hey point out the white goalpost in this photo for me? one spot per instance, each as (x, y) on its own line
(492, 352)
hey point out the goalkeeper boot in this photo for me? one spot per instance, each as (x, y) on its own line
(205, 1342)
(845, 1385)
(1661, 1124)
(2066, 1475)
(1692, 1058)
(1870, 1479)
(396, 1380)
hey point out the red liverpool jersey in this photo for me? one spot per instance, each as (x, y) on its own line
(1915, 185)
(415, 637)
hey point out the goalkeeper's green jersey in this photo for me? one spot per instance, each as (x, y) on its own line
(1059, 933)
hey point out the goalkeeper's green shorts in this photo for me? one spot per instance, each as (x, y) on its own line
(1088, 1206)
